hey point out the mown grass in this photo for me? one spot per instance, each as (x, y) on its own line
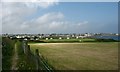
(80, 56)
(73, 40)
(69, 40)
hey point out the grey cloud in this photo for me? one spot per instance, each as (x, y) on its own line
(14, 21)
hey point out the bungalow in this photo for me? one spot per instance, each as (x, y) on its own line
(46, 38)
(60, 38)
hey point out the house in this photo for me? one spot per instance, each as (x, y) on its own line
(60, 38)
(46, 38)
(25, 39)
(51, 38)
(68, 38)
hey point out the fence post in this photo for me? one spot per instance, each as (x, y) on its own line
(24, 46)
(29, 49)
(37, 52)
(37, 59)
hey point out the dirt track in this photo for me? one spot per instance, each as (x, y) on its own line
(14, 59)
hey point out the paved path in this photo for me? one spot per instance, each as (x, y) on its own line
(14, 59)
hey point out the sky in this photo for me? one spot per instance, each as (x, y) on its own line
(59, 17)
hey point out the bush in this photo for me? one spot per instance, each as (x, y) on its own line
(7, 52)
(106, 40)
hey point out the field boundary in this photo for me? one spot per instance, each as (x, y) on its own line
(41, 63)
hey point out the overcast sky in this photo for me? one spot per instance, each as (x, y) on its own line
(59, 17)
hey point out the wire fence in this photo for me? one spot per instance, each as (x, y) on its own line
(41, 63)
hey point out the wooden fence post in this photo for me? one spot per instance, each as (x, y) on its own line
(28, 48)
(37, 52)
(37, 59)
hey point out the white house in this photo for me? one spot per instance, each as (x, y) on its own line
(18, 36)
(46, 38)
(68, 38)
(37, 39)
(60, 38)
(51, 38)
(25, 39)
(77, 37)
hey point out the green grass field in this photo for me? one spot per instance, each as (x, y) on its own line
(73, 40)
(79, 56)
(69, 40)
